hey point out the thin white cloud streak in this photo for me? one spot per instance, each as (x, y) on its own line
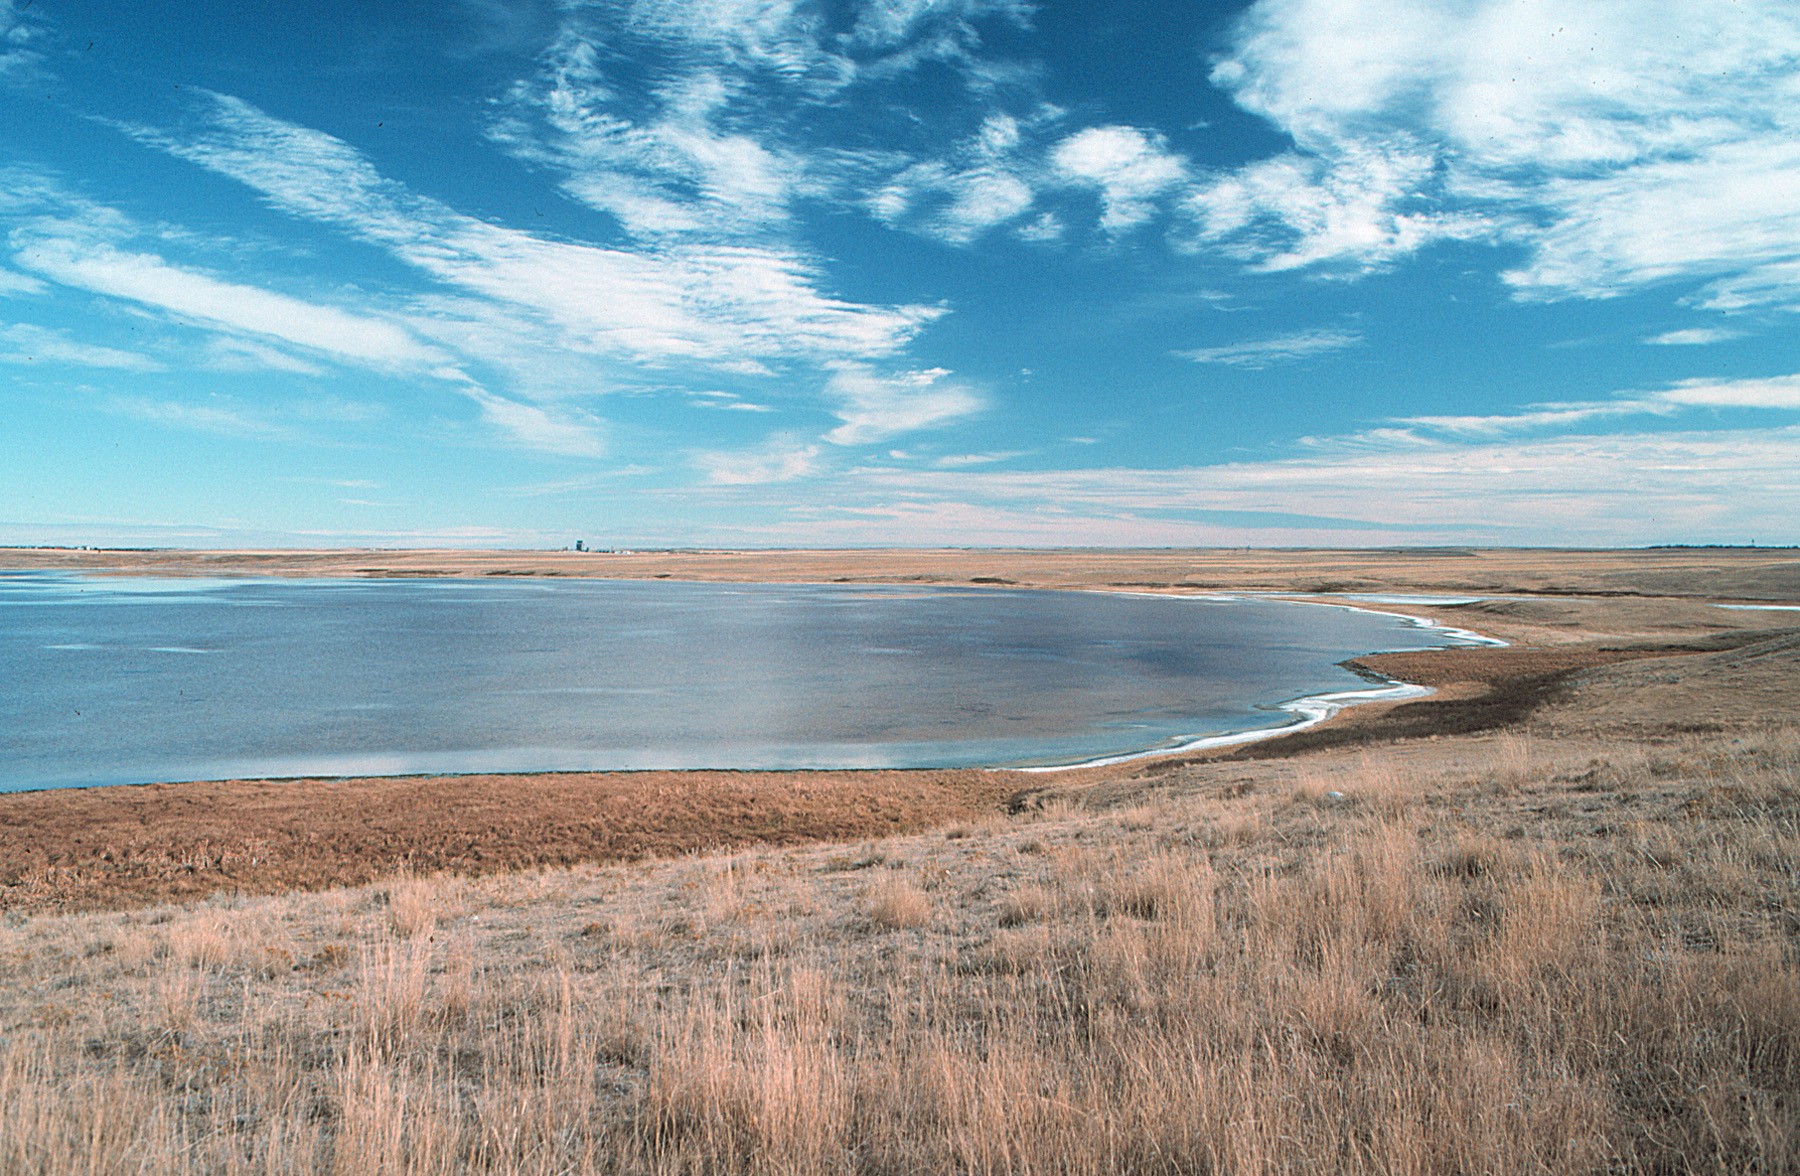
(536, 428)
(1257, 354)
(222, 419)
(28, 344)
(149, 280)
(1621, 142)
(874, 406)
(1780, 392)
(781, 459)
(1694, 337)
(231, 354)
(1627, 488)
(13, 282)
(1773, 392)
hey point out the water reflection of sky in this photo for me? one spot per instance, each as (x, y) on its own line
(123, 680)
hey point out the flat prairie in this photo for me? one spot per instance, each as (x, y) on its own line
(1547, 919)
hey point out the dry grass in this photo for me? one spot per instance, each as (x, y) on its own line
(1538, 961)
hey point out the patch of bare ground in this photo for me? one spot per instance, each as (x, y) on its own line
(75, 849)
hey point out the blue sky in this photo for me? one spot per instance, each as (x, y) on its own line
(779, 273)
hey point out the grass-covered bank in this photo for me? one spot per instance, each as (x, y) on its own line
(1539, 959)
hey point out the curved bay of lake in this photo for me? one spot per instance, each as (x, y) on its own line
(120, 680)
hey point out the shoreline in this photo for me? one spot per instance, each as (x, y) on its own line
(1308, 710)
(1571, 671)
(1311, 709)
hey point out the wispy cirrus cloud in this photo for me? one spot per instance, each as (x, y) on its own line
(1772, 392)
(13, 282)
(1780, 392)
(547, 431)
(1256, 354)
(213, 416)
(1604, 490)
(708, 303)
(782, 458)
(19, 33)
(875, 406)
(26, 343)
(1694, 337)
(550, 314)
(147, 279)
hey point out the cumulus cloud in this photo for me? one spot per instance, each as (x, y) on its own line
(1261, 353)
(1129, 167)
(1620, 142)
(715, 128)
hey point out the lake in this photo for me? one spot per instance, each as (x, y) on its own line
(111, 680)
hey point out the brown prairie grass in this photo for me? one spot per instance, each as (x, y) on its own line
(1530, 963)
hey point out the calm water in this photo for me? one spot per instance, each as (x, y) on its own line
(107, 681)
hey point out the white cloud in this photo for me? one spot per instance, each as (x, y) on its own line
(1261, 353)
(713, 303)
(148, 280)
(12, 282)
(1694, 337)
(1620, 489)
(1131, 169)
(17, 33)
(954, 206)
(216, 417)
(1042, 229)
(783, 459)
(1773, 392)
(727, 401)
(713, 132)
(231, 354)
(535, 428)
(874, 406)
(25, 343)
(958, 461)
(1296, 210)
(988, 179)
(1622, 142)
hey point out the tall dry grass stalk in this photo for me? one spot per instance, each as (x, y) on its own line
(1567, 968)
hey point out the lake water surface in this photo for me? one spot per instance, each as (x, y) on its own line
(109, 680)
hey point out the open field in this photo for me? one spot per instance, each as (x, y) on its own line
(1714, 573)
(1548, 920)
